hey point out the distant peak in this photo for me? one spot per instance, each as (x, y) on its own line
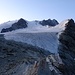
(21, 19)
(49, 22)
(71, 21)
(49, 19)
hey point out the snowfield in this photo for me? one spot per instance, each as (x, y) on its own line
(38, 35)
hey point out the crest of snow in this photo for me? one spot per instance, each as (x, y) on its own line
(61, 26)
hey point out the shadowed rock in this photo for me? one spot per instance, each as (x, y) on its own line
(18, 25)
(67, 48)
(49, 22)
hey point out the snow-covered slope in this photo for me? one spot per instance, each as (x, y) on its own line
(38, 35)
(7, 24)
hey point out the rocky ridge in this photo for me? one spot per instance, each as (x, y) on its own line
(67, 48)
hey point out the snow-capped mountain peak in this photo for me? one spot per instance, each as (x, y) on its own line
(21, 23)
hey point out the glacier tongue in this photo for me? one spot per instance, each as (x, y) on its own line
(47, 40)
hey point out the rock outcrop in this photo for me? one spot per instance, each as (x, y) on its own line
(18, 25)
(45, 66)
(49, 22)
(67, 48)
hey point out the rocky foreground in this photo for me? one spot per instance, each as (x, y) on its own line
(17, 58)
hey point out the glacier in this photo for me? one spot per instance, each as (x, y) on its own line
(38, 35)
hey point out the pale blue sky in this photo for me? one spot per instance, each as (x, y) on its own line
(36, 9)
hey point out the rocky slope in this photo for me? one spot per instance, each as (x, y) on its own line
(46, 66)
(67, 48)
(18, 25)
(16, 56)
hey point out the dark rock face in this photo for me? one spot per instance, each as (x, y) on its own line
(49, 22)
(67, 48)
(20, 24)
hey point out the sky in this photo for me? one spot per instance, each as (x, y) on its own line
(36, 9)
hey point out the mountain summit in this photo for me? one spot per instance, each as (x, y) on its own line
(21, 23)
(18, 25)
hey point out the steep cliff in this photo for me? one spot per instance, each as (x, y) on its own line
(67, 48)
